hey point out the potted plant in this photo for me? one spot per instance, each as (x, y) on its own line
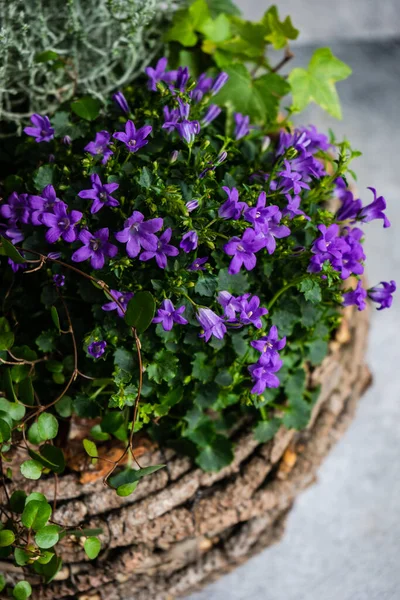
(184, 317)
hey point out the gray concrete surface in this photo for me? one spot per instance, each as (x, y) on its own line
(343, 536)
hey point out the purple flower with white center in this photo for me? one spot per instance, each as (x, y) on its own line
(219, 82)
(100, 194)
(203, 86)
(42, 130)
(268, 227)
(120, 302)
(231, 208)
(167, 315)
(100, 146)
(192, 205)
(318, 141)
(188, 130)
(307, 167)
(138, 233)
(230, 305)
(59, 280)
(212, 113)
(242, 125)
(43, 203)
(97, 349)
(383, 295)
(164, 249)
(211, 323)
(61, 224)
(251, 312)
(96, 247)
(121, 102)
(243, 251)
(156, 74)
(291, 180)
(269, 344)
(189, 241)
(292, 209)
(353, 254)
(350, 207)
(16, 266)
(197, 265)
(329, 246)
(356, 297)
(182, 77)
(132, 138)
(17, 209)
(374, 210)
(171, 116)
(263, 373)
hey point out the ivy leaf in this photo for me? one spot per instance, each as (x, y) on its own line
(47, 536)
(222, 6)
(285, 320)
(22, 590)
(237, 284)
(92, 547)
(140, 311)
(279, 31)
(145, 178)
(317, 350)
(216, 456)
(217, 30)
(317, 83)
(186, 22)
(202, 368)
(174, 396)
(46, 341)
(295, 384)
(36, 514)
(45, 175)
(47, 426)
(87, 108)
(266, 430)
(298, 414)
(206, 286)
(311, 290)
(164, 367)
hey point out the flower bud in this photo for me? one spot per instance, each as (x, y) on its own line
(174, 156)
(67, 140)
(221, 158)
(265, 143)
(192, 205)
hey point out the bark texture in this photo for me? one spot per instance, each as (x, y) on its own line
(183, 528)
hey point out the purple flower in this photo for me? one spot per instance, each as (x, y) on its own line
(211, 114)
(250, 311)
(14, 234)
(174, 156)
(16, 266)
(203, 86)
(291, 180)
(96, 247)
(121, 102)
(356, 297)
(231, 208)
(197, 265)
(375, 210)
(138, 234)
(163, 250)
(211, 323)
(100, 146)
(242, 125)
(97, 349)
(269, 344)
(263, 373)
(182, 77)
(42, 130)
(192, 205)
(353, 253)
(171, 118)
(100, 194)
(230, 304)
(242, 250)
(123, 300)
(266, 221)
(42, 204)
(189, 241)
(350, 207)
(157, 74)
(61, 223)
(298, 140)
(133, 140)
(187, 130)
(318, 141)
(17, 209)
(59, 280)
(167, 315)
(67, 140)
(219, 82)
(383, 295)
(292, 209)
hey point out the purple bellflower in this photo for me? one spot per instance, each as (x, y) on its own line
(97, 349)
(263, 373)
(61, 224)
(189, 241)
(132, 138)
(100, 146)
(212, 113)
(219, 82)
(291, 180)
(156, 74)
(197, 265)
(182, 77)
(211, 323)
(203, 86)
(230, 305)
(59, 280)
(356, 297)
(121, 102)
(100, 194)
(374, 210)
(171, 118)
(96, 247)
(231, 208)
(266, 221)
(192, 205)
(138, 233)
(269, 344)
(292, 209)
(167, 315)
(350, 207)
(42, 130)
(242, 125)
(17, 209)
(43, 203)
(250, 311)
(243, 251)
(383, 295)
(164, 249)
(122, 304)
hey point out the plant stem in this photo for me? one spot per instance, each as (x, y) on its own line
(283, 290)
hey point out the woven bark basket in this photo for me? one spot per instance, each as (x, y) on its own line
(183, 528)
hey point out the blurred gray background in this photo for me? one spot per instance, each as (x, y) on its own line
(343, 536)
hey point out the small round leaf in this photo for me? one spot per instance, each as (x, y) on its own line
(47, 537)
(31, 469)
(22, 590)
(7, 538)
(5, 431)
(92, 547)
(47, 426)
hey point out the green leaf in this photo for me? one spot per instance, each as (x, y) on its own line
(50, 569)
(9, 250)
(317, 350)
(53, 458)
(8, 385)
(216, 456)
(22, 590)
(55, 317)
(298, 414)
(140, 311)
(127, 480)
(174, 396)
(237, 284)
(92, 547)
(266, 430)
(90, 448)
(47, 426)
(45, 56)
(31, 469)
(217, 30)
(45, 175)
(6, 340)
(222, 6)
(126, 489)
(112, 421)
(64, 407)
(203, 369)
(2, 582)
(317, 83)
(17, 501)
(33, 434)
(164, 367)
(47, 536)
(206, 286)
(22, 557)
(7, 538)
(186, 22)
(311, 290)
(36, 514)
(87, 108)
(35, 496)
(26, 392)
(294, 387)
(279, 31)
(5, 431)
(45, 341)
(145, 178)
